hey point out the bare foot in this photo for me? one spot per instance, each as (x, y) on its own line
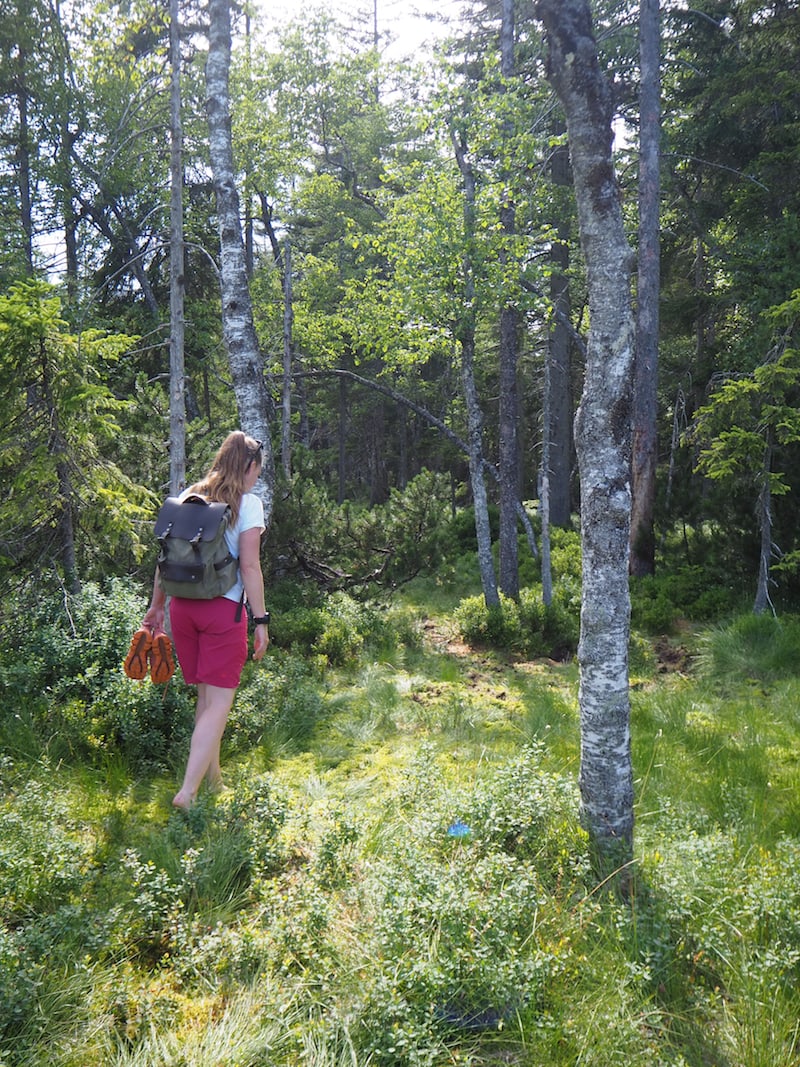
(182, 800)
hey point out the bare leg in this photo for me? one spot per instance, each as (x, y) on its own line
(213, 775)
(213, 706)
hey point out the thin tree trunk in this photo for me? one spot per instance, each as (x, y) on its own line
(432, 420)
(177, 285)
(558, 428)
(762, 600)
(342, 435)
(286, 392)
(69, 134)
(238, 329)
(480, 499)
(508, 447)
(645, 405)
(24, 160)
(508, 450)
(544, 487)
(603, 438)
(465, 333)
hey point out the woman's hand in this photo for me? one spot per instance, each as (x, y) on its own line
(260, 641)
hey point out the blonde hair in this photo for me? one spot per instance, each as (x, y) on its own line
(225, 479)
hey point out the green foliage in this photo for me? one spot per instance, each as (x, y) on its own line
(697, 592)
(526, 627)
(214, 865)
(337, 628)
(457, 936)
(350, 547)
(278, 705)
(752, 646)
(44, 852)
(428, 895)
(61, 655)
(60, 417)
(747, 419)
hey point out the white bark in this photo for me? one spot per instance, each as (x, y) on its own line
(645, 453)
(466, 337)
(603, 436)
(177, 403)
(238, 329)
(286, 393)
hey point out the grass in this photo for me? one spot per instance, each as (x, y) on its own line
(324, 913)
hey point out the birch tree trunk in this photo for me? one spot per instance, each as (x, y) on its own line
(508, 450)
(238, 329)
(286, 389)
(557, 430)
(177, 404)
(23, 158)
(644, 456)
(465, 333)
(603, 438)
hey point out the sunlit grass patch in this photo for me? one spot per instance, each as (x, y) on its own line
(398, 877)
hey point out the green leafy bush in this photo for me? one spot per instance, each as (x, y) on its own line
(338, 628)
(458, 900)
(215, 858)
(61, 657)
(527, 627)
(698, 593)
(565, 556)
(347, 545)
(46, 859)
(44, 852)
(278, 704)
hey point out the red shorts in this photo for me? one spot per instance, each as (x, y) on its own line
(210, 644)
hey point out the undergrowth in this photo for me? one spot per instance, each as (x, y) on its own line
(398, 875)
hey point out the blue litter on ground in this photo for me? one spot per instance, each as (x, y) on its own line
(458, 829)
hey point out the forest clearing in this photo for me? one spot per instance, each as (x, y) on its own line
(397, 874)
(489, 356)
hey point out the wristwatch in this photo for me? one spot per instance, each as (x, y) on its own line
(259, 619)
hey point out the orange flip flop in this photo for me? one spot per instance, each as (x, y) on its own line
(135, 665)
(162, 662)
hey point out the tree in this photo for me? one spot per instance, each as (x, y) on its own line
(730, 221)
(645, 402)
(750, 423)
(508, 415)
(602, 436)
(237, 314)
(465, 334)
(177, 286)
(60, 419)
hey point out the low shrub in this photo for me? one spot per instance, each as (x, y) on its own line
(459, 902)
(526, 627)
(278, 704)
(698, 593)
(61, 656)
(348, 545)
(44, 852)
(339, 628)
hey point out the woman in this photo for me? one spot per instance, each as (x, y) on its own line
(210, 642)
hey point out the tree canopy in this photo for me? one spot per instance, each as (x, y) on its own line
(350, 168)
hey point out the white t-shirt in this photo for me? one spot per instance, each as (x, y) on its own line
(251, 514)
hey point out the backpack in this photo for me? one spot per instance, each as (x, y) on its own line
(194, 560)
